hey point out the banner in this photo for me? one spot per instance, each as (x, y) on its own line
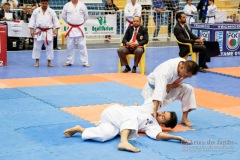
(142, 2)
(101, 25)
(227, 34)
(91, 1)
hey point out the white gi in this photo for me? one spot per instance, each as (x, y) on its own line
(130, 11)
(188, 9)
(167, 73)
(76, 17)
(46, 21)
(211, 13)
(116, 118)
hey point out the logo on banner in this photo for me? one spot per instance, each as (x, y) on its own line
(102, 20)
(219, 38)
(232, 39)
(101, 25)
(205, 35)
(195, 31)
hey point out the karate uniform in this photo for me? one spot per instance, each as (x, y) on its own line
(211, 13)
(131, 11)
(75, 16)
(188, 9)
(116, 118)
(39, 21)
(166, 73)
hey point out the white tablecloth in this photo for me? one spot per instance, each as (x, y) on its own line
(18, 29)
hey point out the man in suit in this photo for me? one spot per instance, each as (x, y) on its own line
(183, 34)
(6, 9)
(135, 37)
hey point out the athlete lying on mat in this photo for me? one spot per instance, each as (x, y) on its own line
(128, 121)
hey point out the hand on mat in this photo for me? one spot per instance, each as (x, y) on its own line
(185, 141)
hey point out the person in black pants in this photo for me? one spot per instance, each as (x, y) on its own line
(183, 34)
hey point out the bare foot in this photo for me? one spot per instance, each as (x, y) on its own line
(186, 122)
(36, 65)
(67, 64)
(135, 104)
(50, 65)
(71, 131)
(126, 146)
(86, 65)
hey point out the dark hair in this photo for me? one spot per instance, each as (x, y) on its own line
(179, 15)
(6, 4)
(173, 120)
(191, 66)
(138, 17)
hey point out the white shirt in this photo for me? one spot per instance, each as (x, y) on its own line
(188, 9)
(132, 10)
(10, 2)
(75, 15)
(165, 73)
(132, 117)
(47, 20)
(211, 10)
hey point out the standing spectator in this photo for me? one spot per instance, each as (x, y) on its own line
(75, 14)
(172, 5)
(159, 7)
(41, 23)
(6, 9)
(145, 14)
(202, 8)
(135, 37)
(13, 3)
(212, 8)
(113, 8)
(131, 10)
(189, 11)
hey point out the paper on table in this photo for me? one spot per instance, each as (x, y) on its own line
(9, 16)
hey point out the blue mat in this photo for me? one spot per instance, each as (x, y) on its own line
(11, 94)
(216, 83)
(23, 105)
(25, 119)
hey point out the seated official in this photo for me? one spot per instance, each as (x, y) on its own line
(135, 37)
(6, 14)
(26, 13)
(184, 35)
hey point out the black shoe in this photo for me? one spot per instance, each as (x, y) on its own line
(134, 70)
(200, 69)
(205, 66)
(126, 70)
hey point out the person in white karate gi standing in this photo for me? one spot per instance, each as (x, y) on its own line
(75, 14)
(165, 86)
(131, 10)
(189, 11)
(211, 11)
(41, 25)
(128, 121)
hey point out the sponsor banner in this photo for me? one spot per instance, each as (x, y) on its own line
(195, 31)
(232, 40)
(205, 34)
(142, 2)
(219, 38)
(227, 35)
(101, 25)
(91, 1)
